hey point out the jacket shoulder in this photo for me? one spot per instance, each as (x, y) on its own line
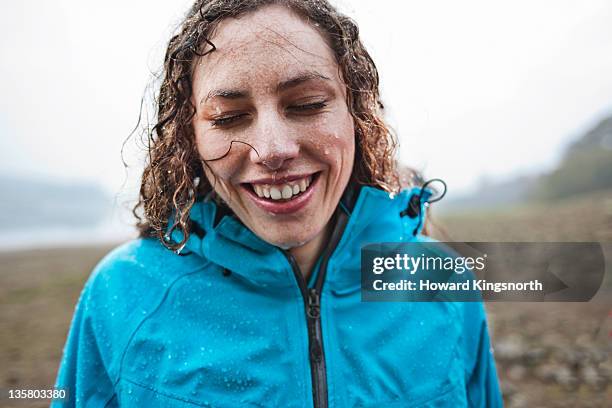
(126, 287)
(142, 261)
(132, 279)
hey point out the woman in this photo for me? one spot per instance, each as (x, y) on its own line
(269, 168)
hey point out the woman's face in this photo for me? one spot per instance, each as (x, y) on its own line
(271, 96)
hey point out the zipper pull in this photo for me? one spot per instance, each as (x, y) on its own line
(314, 310)
(314, 313)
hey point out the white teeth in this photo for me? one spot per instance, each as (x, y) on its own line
(287, 191)
(275, 194)
(283, 191)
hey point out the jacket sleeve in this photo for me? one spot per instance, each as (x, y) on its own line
(82, 371)
(481, 377)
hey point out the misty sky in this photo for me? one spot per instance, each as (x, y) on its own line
(473, 88)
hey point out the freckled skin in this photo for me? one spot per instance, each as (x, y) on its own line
(254, 54)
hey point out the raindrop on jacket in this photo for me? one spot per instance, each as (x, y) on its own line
(230, 323)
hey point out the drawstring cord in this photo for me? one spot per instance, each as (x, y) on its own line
(413, 209)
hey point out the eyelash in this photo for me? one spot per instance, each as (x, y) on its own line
(228, 120)
(310, 106)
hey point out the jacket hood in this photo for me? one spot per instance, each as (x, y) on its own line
(373, 216)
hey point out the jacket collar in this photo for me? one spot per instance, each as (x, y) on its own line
(374, 216)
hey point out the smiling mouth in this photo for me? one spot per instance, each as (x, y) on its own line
(283, 192)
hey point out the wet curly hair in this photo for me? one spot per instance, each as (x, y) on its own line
(173, 178)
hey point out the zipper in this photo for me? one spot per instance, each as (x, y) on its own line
(312, 305)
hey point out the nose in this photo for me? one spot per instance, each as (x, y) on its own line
(275, 143)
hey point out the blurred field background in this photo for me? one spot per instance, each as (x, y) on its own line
(549, 354)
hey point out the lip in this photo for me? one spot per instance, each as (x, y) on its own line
(279, 180)
(283, 207)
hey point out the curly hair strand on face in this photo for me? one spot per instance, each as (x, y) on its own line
(168, 190)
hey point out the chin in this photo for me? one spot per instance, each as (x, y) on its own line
(286, 240)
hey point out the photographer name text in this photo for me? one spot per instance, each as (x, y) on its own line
(469, 285)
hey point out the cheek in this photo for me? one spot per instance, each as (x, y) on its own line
(339, 145)
(221, 169)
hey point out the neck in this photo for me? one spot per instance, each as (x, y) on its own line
(306, 255)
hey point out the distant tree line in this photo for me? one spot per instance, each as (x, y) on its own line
(585, 167)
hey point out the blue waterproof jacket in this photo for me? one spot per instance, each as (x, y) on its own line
(231, 322)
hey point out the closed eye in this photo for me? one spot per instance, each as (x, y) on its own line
(226, 120)
(308, 107)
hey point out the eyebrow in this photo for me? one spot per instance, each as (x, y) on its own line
(300, 79)
(282, 86)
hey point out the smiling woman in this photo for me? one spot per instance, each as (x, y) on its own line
(269, 168)
(273, 85)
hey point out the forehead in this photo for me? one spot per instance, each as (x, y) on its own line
(263, 48)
